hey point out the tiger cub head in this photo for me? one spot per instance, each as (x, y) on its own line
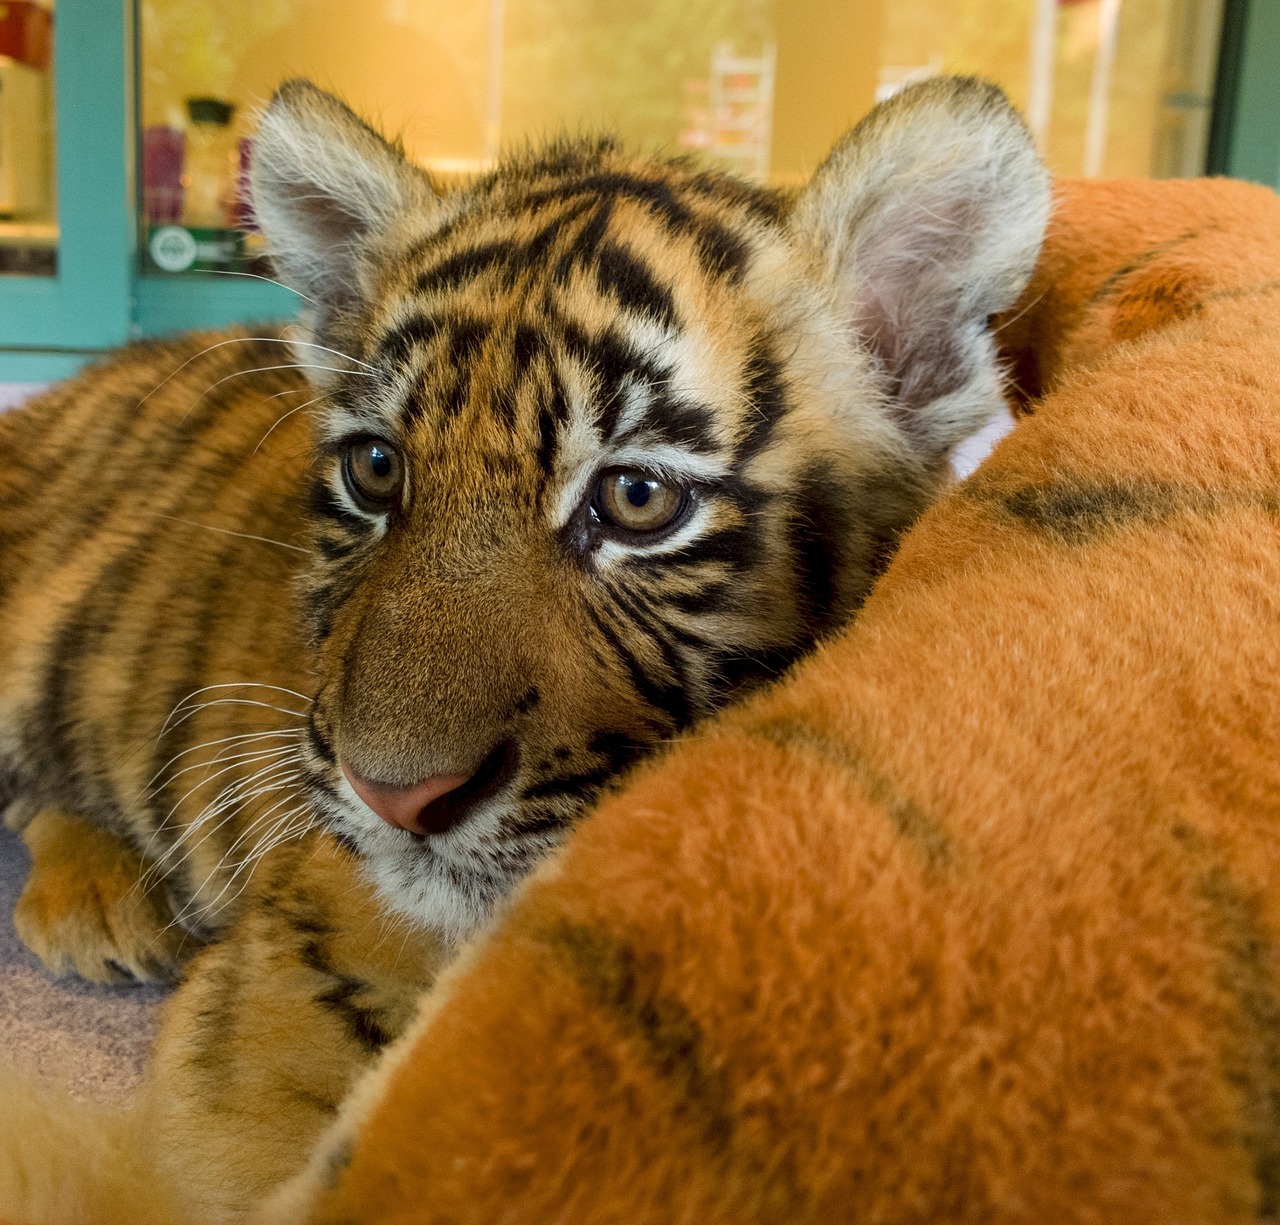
(604, 440)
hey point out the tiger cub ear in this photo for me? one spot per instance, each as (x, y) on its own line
(925, 220)
(323, 184)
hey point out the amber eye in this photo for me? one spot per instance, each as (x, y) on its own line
(374, 473)
(638, 502)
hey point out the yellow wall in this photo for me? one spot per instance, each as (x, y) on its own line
(828, 62)
(417, 68)
(421, 67)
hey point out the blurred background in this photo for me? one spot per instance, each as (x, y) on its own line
(125, 128)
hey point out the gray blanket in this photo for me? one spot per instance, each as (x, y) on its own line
(92, 1039)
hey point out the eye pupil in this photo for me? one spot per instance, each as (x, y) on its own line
(380, 462)
(639, 493)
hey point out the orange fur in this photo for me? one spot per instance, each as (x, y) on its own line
(786, 375)
(974, 917)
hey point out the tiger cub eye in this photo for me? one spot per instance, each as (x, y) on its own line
(637, 502)
(374, 473)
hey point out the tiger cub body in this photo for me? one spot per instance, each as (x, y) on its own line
(560, 463)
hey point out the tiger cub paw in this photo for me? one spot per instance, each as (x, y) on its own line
(85, 910)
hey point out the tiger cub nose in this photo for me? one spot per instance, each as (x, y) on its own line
(412, 808)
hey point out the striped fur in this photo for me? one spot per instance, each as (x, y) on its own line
(203, 622)
(975, 918)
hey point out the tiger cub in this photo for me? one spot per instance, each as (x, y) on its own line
(560, 462)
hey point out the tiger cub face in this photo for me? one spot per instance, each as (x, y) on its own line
(604, 440)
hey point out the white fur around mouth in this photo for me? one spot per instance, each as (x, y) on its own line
(448, 883)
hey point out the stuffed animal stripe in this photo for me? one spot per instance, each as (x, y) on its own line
(974, 917)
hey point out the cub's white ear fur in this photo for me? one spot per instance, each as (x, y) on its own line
(926, 219)
(324, 184)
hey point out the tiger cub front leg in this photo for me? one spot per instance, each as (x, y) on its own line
(86, 910)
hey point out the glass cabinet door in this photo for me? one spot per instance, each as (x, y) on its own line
(28, 217)
(65, 226)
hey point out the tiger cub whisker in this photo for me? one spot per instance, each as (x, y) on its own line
(224, 531)
(291, 825)
(240, 738)
(268, 778)
(287, 752)
(239, 340)
(280, 420)
(189, 712)
(236, 374)
(224, 757)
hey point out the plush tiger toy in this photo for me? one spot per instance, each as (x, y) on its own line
(563, 461)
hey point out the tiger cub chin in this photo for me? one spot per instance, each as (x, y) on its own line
(561, 461)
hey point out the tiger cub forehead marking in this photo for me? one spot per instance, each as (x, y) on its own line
(603, 310)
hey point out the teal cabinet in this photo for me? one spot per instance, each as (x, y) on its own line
(47, 323)
(1246, 137)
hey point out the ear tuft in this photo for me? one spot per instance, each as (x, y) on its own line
(323, 184)
(926, 219)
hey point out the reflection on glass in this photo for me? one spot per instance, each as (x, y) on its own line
(1110, 87)
(28, 226)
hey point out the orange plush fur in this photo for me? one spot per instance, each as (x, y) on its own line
(974, 918)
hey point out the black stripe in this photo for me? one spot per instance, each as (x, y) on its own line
(620, 749)
(737, 545)
(365, 1025)
(657, 197)
(398, 344)
(721, 252)
(612, 361)
(683, 422)
(467, 335)
(530, 825)
(466, 338)
(323, 503)
(653, 629)
(687, 639)
(547, 436)
(765, 391)
(539, 247)
(55, 734)
(576, 786)
(715, 596)
(667, 1036)
(212, 584)
(609, 354)
(1077, 512)
(620, 274)
(457, 269)
(763, 203)
(669, 699)
(335, 549)
(817, 528)
(746, 669)
(932, 841)
(585, 246)
(526, 344)
(318, 608)
(503, 404)
(320, 741)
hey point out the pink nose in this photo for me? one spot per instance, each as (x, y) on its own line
(411, 808)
